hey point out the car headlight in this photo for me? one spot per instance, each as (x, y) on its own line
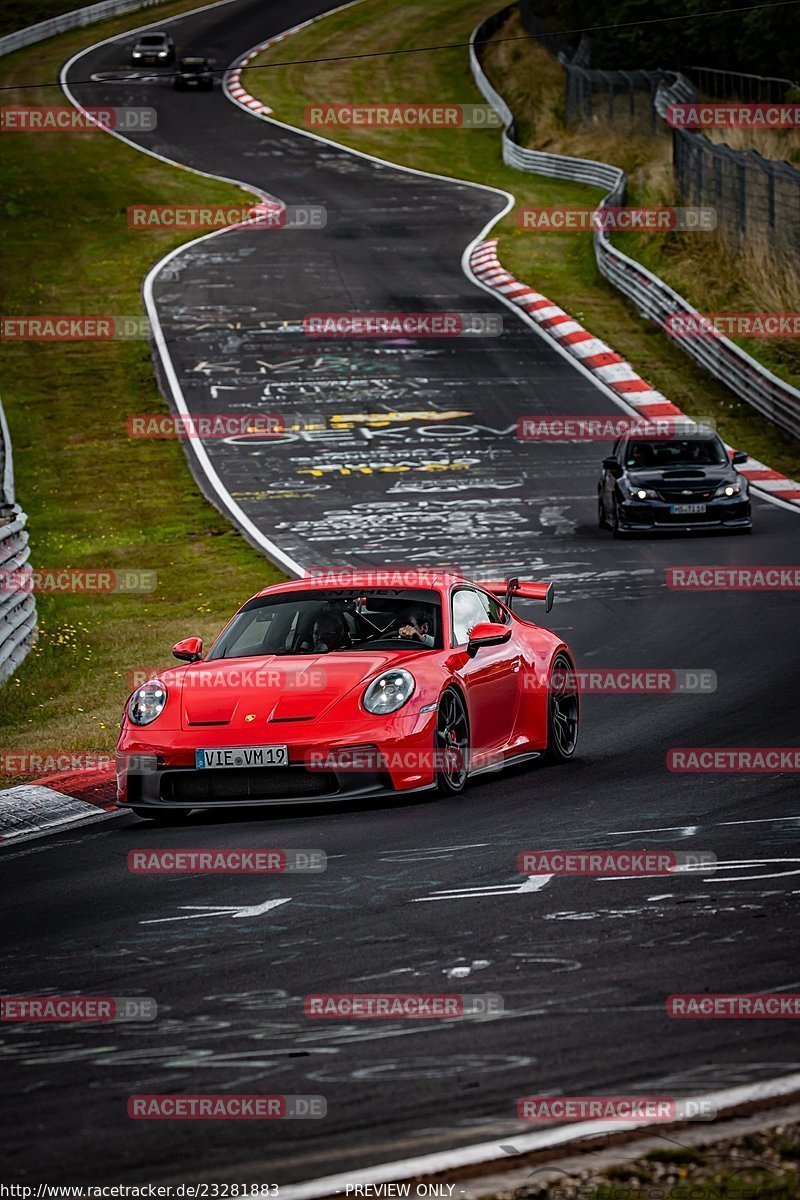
(163, 53)
(147, 702)
(730, 489)
(643, 494)
(137, 54)
(389, 692)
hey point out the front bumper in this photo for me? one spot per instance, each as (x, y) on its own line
(656, 516)
(160, 772)
(241, 788)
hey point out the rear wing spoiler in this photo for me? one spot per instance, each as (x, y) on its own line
(507, 589)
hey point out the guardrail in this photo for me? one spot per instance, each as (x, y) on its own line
(655, 299)
(17, 609)
(70, 20)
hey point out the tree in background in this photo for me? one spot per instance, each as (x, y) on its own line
(764, 41)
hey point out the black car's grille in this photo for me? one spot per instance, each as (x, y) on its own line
(673, 496)
(257, 783)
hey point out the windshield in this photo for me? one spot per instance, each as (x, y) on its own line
(662, 454)
(327, 622)
(153, 39)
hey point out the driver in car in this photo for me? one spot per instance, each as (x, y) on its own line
(329, 633)
(415, 625)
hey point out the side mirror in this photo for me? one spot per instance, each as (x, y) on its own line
(189, 650)
(487, 633)
(739, 456)
(611, 464)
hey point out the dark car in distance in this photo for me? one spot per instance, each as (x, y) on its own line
(153, 49)
(194, 73)
(662, 484)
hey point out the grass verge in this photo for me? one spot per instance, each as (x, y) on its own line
(749, 1166)
(560, 265)
(94, 497)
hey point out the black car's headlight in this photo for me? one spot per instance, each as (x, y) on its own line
(147, 702)
(731, 489)
(640, 493)
(389, 692)
(137, 54)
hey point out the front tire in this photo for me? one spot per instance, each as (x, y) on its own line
(451, 744)
(167, 816)
(602, 519)
(563, 710)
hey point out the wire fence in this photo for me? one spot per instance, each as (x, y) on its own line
(739, 85)
(757, 199)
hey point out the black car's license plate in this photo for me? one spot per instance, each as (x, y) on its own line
(685, 509)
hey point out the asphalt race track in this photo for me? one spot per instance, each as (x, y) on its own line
(419, 896)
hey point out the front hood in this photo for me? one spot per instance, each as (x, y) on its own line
(276, 689)
(677, 479)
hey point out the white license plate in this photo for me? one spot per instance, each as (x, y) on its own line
(242, 756)
(687, 508)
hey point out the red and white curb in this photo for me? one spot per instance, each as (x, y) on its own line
(54, 804)
(232, 81)
(605, 364)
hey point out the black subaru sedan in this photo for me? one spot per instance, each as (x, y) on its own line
(662, 484)
(194, 73)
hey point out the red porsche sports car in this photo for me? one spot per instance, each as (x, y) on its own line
(322, 689)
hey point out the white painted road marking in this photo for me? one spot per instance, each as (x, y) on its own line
(730, 864)
(221, 910)
(534, 883)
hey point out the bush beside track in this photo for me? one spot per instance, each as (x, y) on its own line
(94, 497)
(562, 266)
